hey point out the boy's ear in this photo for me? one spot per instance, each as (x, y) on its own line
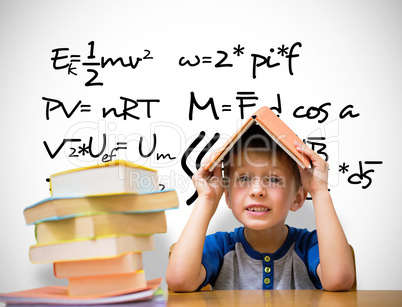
(227, 198)
(299, 200)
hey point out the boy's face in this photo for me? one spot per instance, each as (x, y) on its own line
(261, 191)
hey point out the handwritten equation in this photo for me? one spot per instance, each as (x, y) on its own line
(79, 148)
(64, 60)
(135, 108)
(126, 112)
(274, 58)
(361, 177)
(222, 59)
(320, 113)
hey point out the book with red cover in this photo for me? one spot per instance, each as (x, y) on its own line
(274, 127)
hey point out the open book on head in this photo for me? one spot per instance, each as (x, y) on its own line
(274, 127)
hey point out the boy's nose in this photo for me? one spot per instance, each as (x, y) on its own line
(257, 188)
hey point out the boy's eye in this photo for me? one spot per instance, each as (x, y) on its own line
(273, 179)
(244, 178)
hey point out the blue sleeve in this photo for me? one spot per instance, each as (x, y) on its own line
(307, 249)
(215, 248)
(313, 257)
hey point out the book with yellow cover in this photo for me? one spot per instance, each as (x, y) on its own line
(112, 177)
(57, 208)
(91, 226)
(100, 247)
(277, 130)
(107, 284)
(126, 263)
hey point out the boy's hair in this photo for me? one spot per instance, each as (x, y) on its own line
(257, 143)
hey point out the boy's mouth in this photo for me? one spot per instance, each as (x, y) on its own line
(257, 209)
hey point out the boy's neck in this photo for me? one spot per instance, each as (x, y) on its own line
(267, 240)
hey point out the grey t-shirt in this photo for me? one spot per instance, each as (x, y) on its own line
(231, 263)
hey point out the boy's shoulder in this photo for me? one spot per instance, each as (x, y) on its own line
(302, 236)
(301, 233)
(304, 241)
(223, 242)
(226, 238)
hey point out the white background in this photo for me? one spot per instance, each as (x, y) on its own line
(350, 55)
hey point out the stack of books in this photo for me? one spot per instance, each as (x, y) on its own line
(96, 225)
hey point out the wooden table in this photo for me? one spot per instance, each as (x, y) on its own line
(228, 298)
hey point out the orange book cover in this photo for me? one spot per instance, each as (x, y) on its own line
(274, 127)
(126, 263)
(58, 295)
(107, 284)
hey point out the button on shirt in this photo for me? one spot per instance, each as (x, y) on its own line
(231, 263)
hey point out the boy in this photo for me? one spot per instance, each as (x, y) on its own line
(261, 184)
